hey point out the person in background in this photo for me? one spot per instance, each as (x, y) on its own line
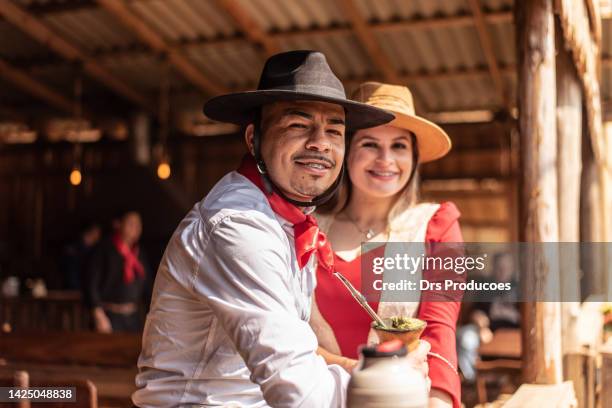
(486, 317)
(379, 204)
(118, 277)
(75, 255)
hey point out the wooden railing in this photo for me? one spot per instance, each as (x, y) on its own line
(59, 310)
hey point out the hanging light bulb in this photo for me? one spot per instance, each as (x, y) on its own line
(75, 176)
(164, 170)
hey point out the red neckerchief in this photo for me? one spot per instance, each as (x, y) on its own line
(308, 237)
(130, 258)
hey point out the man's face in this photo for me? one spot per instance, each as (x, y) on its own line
(302, 146)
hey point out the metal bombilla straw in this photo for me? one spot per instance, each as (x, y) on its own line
(361, 300)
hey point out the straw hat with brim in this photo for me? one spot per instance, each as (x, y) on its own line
(291, 76)
(432, 141)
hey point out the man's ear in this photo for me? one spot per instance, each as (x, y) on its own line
(249, 134)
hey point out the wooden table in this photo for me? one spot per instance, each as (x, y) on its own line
(506, 344)
(538, 396)
(501, 355)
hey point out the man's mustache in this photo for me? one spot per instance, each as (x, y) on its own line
(328, 160)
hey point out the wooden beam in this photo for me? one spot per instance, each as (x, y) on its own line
(55, 7)
(120, 10)
(498, 17)
(368, 40)
(36, 88)
(39, 31)
(487, 49)
(250, 28)
(538, 221)
(456, 74)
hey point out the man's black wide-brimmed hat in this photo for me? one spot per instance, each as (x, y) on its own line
(290, 76)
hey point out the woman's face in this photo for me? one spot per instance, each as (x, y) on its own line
(131, 228)
(380, 160)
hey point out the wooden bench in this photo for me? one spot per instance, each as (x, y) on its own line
(85, 391)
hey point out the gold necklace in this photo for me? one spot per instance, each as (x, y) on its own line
(369, 233)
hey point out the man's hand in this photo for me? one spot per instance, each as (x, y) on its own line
(330, 358)
(101, 321)
(418, 358)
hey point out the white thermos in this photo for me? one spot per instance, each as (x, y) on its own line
(385, 378)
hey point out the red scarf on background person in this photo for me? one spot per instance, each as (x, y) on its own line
(130, 260)
(308, 238)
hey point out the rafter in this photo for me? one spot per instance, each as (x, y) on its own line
(457, 75)
(369, 42)
(36, 88)
(158, 44)
(51, 7)
(487, 48)
(39, 31)
(496, 17)
(250, 28)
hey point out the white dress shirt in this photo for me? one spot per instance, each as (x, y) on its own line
(228, 323)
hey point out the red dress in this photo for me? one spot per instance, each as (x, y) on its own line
(351, 323)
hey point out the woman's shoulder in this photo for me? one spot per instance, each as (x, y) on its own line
(447, 211)
(444, 221)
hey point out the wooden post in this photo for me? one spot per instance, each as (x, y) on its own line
(569, 164)
(607, 194)
(538, 192)
(590, 220)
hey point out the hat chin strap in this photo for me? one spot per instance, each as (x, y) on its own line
(270, 186)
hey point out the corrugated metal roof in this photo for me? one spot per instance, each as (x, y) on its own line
(15, 44)
(502, 37)
(90, 29)
(143, 71)
(177, 20)
(279, 15)
(346, 58)
(236, 63)
(433, 50)
(59, 77)
(385, 10)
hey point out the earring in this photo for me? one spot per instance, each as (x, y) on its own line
(261, 167)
